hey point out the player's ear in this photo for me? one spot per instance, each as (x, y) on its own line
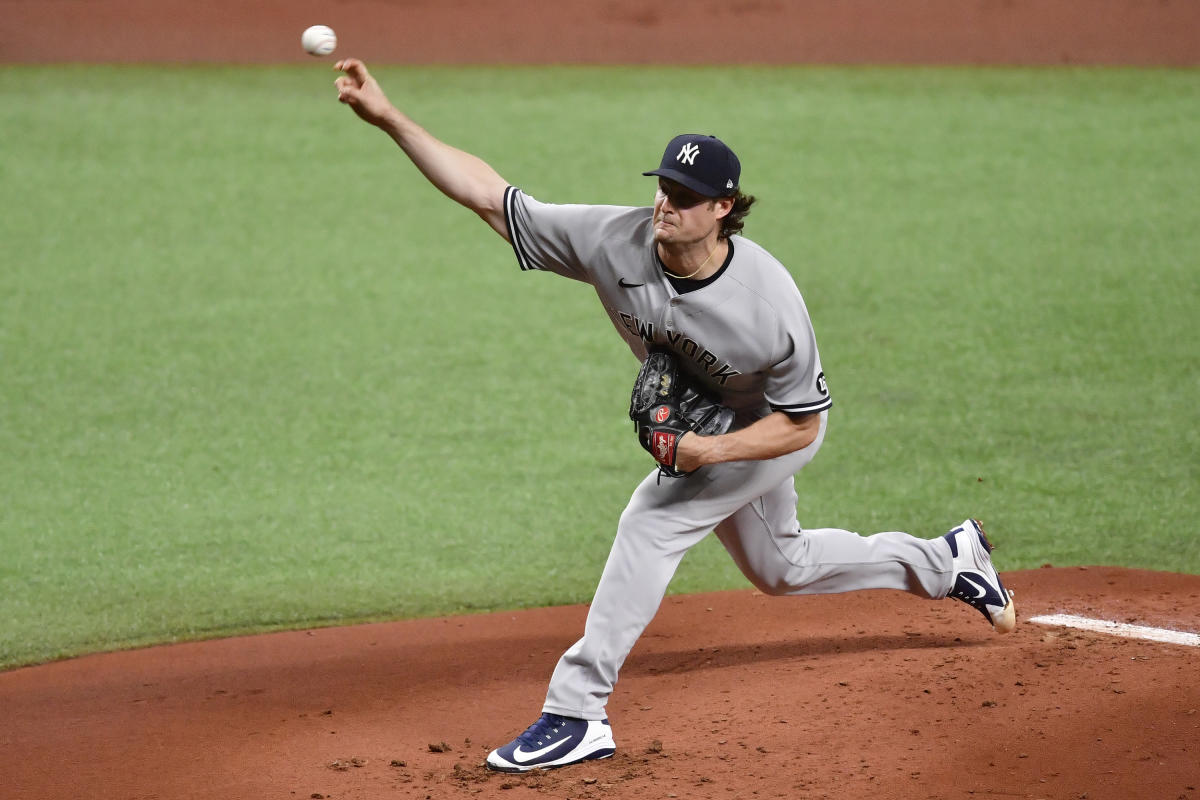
(722, 206)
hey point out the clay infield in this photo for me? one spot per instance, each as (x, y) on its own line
(727, 695)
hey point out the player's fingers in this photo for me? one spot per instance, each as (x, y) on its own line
(355, 69)
(346, 89)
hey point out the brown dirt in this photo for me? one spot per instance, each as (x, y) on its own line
(728, 695)
(607, 31)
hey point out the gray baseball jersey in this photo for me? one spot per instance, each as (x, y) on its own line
(749, 338)
(745, 333)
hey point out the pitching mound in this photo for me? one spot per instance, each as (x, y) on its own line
(875, 694)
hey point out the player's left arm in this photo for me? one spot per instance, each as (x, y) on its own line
(776, 434)
(795, 389)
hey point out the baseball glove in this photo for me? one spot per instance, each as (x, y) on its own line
(665, 405)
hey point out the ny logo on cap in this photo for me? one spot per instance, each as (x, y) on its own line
(688, 154)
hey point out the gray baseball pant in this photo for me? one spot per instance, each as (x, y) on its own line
(751, 506)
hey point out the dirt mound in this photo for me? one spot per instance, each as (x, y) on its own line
(732, 694)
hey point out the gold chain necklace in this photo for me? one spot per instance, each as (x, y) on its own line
(697, 270)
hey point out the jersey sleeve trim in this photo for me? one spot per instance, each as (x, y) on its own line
(514, 235)
(823, 404)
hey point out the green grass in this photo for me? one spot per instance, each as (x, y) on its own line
(255, 373)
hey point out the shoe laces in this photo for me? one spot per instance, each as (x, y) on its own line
(538, 731)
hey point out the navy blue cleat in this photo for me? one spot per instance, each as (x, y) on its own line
(554, 741)
(976, 581)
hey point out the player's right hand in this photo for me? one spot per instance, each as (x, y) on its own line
(361, 92)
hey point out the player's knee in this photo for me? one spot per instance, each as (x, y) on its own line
(775, 588)
(768, 580)
(782, 577)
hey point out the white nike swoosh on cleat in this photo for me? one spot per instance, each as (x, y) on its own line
(982, 590)
(522, 757)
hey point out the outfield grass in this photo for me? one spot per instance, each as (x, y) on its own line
(255, 373)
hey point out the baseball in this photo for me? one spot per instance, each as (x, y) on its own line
(319, 40)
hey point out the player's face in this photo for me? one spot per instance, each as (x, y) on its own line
(682, 216)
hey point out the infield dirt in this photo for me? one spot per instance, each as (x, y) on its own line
(729, 695)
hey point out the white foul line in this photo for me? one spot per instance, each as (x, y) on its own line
(1120, 629)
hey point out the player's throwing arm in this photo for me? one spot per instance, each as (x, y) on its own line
(466, 179)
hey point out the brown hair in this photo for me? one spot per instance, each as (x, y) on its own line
(733, 222)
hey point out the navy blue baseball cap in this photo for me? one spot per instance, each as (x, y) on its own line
(702, 163)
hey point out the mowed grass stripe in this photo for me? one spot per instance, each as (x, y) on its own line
(256, 373)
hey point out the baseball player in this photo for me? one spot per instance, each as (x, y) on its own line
(678, 276)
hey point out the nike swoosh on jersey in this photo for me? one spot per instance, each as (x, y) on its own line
(522, 757)
(626, 285)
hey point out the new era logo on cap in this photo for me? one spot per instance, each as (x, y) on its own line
(702, 163)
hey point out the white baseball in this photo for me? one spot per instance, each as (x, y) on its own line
(319, 40)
